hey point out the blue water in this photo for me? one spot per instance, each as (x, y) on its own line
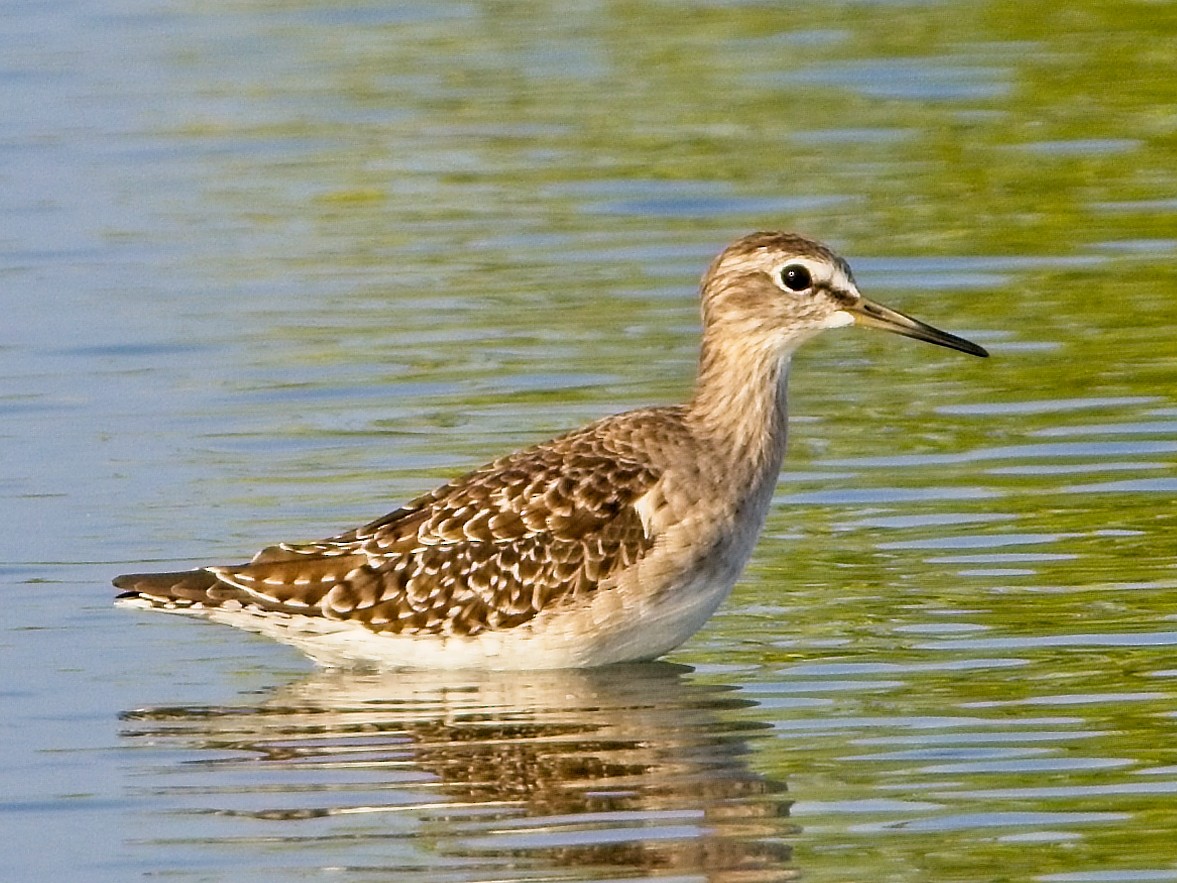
(267, 271)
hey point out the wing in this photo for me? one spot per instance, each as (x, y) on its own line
(487, 551)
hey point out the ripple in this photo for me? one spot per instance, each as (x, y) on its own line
(1004, 558)
(1062, 792)
(1082, 146)
(911, 79)
(1044, 469)
(968, 821)
(1014, 452)
(1133, 486)
(1110, 699)
(859, 496)
(1155, 427)
(1081, 639)
(986, 541)
(1126, 875)
(1045, 406)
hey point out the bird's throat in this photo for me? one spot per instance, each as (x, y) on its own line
(740, 409)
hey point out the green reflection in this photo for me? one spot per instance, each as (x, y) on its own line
(442, 231)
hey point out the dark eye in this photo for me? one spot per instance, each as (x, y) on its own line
(796, 277)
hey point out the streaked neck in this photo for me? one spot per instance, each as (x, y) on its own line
(739, 406)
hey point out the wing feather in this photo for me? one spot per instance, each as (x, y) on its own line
(486, 551)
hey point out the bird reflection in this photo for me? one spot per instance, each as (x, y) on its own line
(629, 770)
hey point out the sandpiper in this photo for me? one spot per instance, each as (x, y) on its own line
(612, 543)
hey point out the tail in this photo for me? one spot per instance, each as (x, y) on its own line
(172, 590)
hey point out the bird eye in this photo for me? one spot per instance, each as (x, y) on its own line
(795, 277)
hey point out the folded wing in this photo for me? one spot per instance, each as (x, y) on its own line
(487, 551)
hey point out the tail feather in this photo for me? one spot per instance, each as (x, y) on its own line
(181, 588)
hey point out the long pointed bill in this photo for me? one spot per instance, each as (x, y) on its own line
(873, 315)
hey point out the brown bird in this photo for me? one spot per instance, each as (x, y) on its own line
(612, 543)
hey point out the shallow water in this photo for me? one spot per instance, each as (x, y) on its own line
(268, 270)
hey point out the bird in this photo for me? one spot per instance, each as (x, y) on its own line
(612, 543)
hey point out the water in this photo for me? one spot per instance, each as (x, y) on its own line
(267, 270)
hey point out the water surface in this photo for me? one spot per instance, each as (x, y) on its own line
(268, 270)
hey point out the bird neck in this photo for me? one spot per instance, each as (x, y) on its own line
(739, 405)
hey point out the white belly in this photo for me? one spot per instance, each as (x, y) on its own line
(619, 624)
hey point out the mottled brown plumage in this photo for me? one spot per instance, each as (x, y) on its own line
(488, 550)
(611, 543)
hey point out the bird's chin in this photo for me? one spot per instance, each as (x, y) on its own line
(838, 319)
